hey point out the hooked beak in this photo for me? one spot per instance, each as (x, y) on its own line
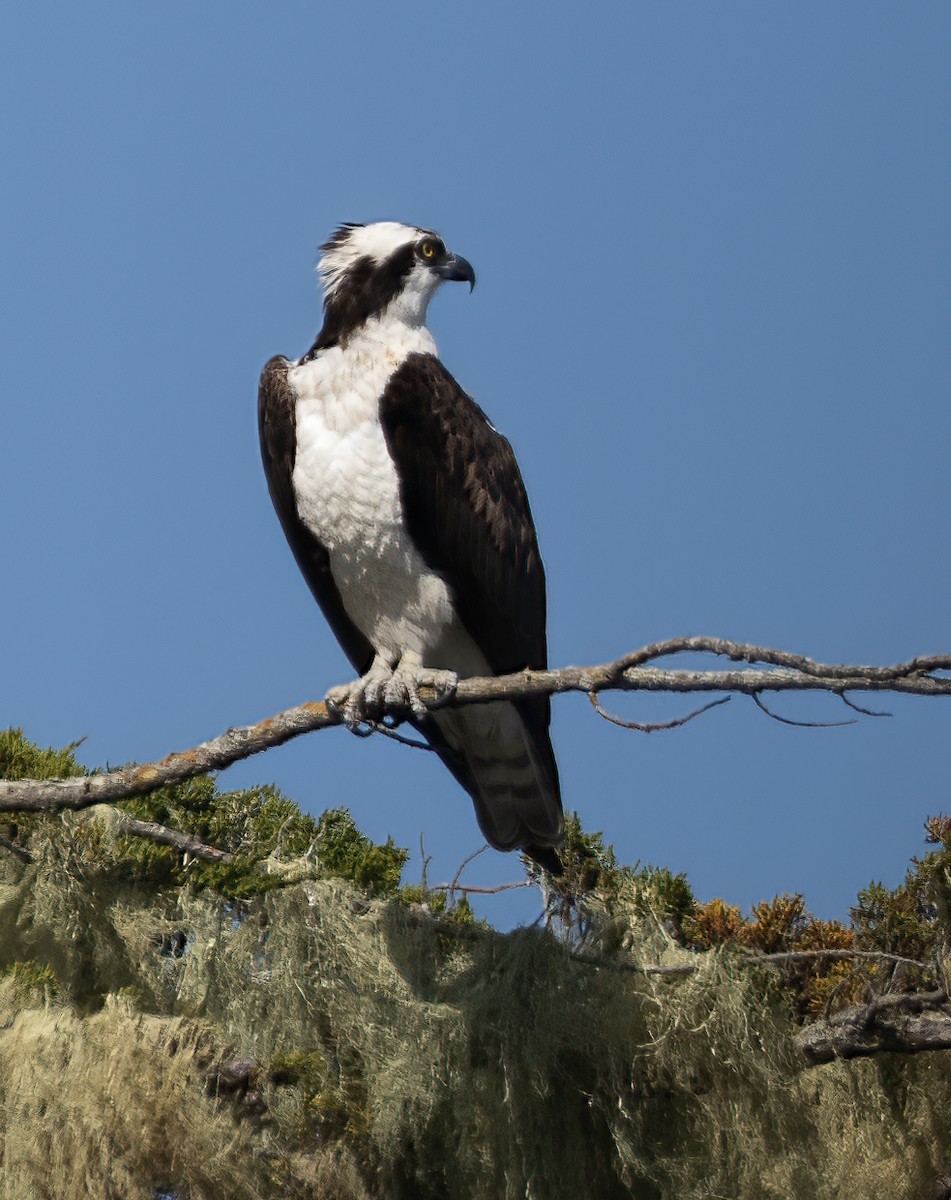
(456, 269)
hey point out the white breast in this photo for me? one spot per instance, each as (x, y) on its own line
(348, 493)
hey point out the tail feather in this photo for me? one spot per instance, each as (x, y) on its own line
(510, 775)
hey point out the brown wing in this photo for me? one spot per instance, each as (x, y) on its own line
(467, 511)
(278, 432)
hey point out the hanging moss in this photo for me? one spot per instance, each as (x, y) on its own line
(320, 1039)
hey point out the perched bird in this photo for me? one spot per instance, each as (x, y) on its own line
(407, 515)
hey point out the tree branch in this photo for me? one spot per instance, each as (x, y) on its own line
(17, 851)
(793, 956)
(187, 843)
(773, 670)
(902, 1024)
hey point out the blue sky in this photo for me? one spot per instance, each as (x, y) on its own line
(713, 253)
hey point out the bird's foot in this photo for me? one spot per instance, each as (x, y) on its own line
(402, 689)
(364, 696)
(385, 687)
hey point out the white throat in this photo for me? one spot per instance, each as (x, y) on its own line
(412, 304)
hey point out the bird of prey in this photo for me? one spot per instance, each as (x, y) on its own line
(407, 515)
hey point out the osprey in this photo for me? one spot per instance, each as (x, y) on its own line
(407, 515)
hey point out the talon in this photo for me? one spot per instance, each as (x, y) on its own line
(338, 699)
(355, 700)
(395, 695)
(385, 688)
(402, 691)
(446, 684)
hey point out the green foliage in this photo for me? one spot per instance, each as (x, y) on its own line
(251, 824)
(597, 894)
(342, 850)
(21, 759)
(412, 894)
(913, 919)
(332, 1103)
(893, 921)
(306, 1069)
(455, 912)
(588, 889)
(394, 1055)
(461, 914)
(255, 826)
(32, 980)
(589, 865)
(660, 893)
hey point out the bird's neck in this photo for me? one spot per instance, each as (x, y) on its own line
(402, 319)
(395, 338)
(399, 329)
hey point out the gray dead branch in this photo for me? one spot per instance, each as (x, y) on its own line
(770, 671)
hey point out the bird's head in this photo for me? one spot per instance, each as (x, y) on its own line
(383, 270)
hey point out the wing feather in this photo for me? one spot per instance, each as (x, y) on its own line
(467, 511)
(277, 427)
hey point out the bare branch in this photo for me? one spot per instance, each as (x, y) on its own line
(749, 960)
(449, 888)
(901, 1023)
(866, 712)
(425, 861)
(150, 830)
(163, 836)
(640, 727)
(462, 866)
(775, 670)
(83, 791)
(798, 724)
(792, 956)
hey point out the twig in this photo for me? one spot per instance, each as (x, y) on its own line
(462, 866)
(754, 696)
(425, 859)
(866, 712)
(640, 727)
(449, 888)
(787, 672)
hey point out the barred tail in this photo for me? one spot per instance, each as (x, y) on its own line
(509, 771)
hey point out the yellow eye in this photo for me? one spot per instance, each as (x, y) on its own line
(427, 249)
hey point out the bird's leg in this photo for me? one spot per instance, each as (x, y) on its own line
(402, 688)
(364, 695)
